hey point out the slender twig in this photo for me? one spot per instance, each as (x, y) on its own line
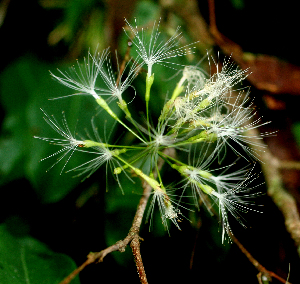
(289, 165)
(262, 270)
(135, 246)
(133, 237)
(96, 257)
(212, 15)
(135, 242)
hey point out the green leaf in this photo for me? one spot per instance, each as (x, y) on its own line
(24, 260)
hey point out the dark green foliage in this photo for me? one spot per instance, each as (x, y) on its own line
(24, 260)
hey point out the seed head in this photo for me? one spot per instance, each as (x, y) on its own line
(154, 50)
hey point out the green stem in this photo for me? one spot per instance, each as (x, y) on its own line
(123, 106)
(149, 82)
(91, 143)
(151, 181)
(104, 105)
(203, 136)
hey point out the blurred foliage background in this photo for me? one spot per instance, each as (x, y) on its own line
(51, 221)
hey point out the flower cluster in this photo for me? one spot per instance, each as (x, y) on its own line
(204, 117)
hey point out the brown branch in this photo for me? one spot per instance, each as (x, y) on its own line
(212, 15)
(121, 245)
(263, 272)
(135, 246)
(96, 257)
(4, 5)
(267, 72)
(134, 231)
(289, 165)
(228, 46)
(195, 24)
(285, 202)
(133, 237)
(283, 199)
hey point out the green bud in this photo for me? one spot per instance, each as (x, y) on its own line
(117, 170)
(123, 106)
(180, 169)
(206, 188)
(205, 103)
(117, 152)
(199, 137)
(196, 123)
(151, 181)
(204, 174)
(149, 82)
(203, 136)
(104, 105)
(90, 143)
